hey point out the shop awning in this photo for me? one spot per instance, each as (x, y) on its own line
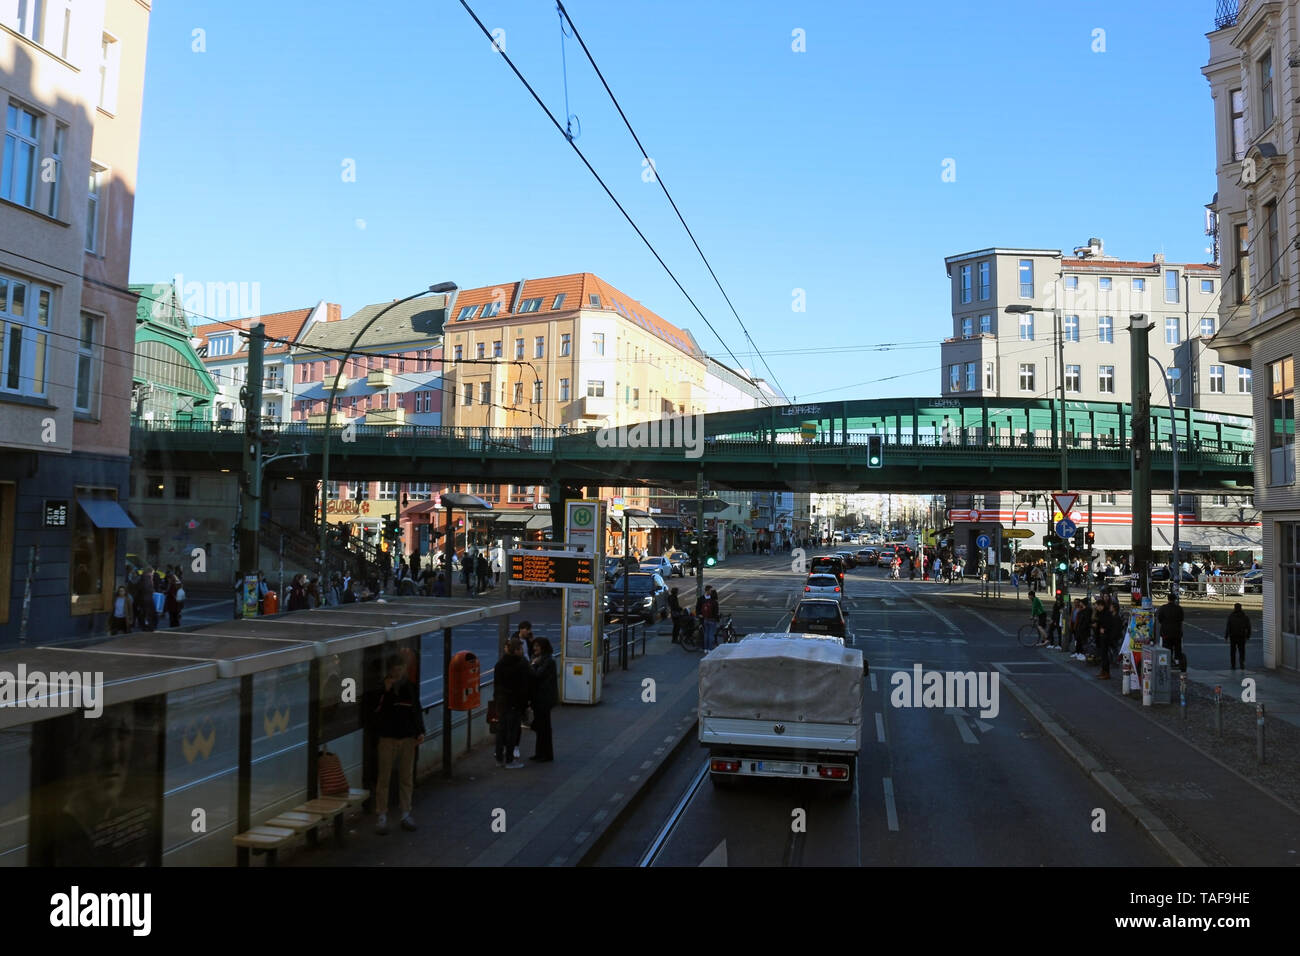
(638, 521)
(105, 513)
(1201, 538)
(663, 521)
(539, 522)
(512, 519)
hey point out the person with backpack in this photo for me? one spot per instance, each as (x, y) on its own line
(707, 610)
(1237, 633)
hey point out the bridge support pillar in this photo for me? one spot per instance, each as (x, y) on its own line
(560, 490)
(1140, 443)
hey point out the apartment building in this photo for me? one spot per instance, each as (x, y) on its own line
(1253, 87)
(1087, 298)
(72, 84)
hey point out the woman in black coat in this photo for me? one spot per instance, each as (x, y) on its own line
(544, 696)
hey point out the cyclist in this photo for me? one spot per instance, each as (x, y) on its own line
(1040, 618)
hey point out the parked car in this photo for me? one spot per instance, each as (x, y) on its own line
(1253, 581)
(647, 597)
(680, 562)
(820, 616)
(660, 566)
(825, 586)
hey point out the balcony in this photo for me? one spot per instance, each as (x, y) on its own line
(342, 382)
(1225, 14)
(380, 378)
(590, 406)
(386, 416)
(273, 383)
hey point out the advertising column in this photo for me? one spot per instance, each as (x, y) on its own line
(580, 624)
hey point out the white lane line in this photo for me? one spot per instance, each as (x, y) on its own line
(880, 727)
(873, 683)
(952, 628)
(994, 627)
(964, 729)
(891, 811)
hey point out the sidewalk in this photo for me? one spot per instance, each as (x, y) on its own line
(1201, 795)
(547, 814)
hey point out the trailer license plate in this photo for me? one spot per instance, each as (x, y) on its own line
(773, 766)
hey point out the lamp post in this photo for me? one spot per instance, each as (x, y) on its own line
(441, 287)
(1176, 567)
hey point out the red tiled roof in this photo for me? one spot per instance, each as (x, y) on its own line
(286, 326)
(577, 289)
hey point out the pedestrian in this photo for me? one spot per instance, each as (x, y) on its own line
(545, 695)
(498, 564)
(1170, 618)
(1056, 626)
(334, 593)
(675, 609)
(484, 569)
(511, 678)
(467, 573)
(1237, 633)
(525, 633)
(297, 600)
(174, 603)
(1040, 617)
(439, 586)
(936, 569)
(145, 616)
(706, 609)
(400, 726)
(124, 612)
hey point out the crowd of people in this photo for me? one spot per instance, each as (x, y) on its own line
(145, 596)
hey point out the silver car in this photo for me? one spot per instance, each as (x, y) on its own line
(660, 566)
(823, 586)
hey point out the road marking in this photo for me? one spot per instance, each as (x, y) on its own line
(880, 727)
(964, 729)
(873, 683)
(581, 837)
(996, 629)
(891, 811)
(645, 765)
(599, 815)
(717, 856)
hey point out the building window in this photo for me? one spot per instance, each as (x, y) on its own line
(1175, 376)
(539, 346)
(1242, 267)
(91, 562)
(1073, 378)
(564, 389)
(954, 378)
(988, 375)
(25, 323)
(1103, 284)
(1207, 327)
(1171, 285)
(457, 353)
(1106, 328)
(1281, 414)
(1217, 384)
(56, 169)
(1026, 376)
(1243, 381)
(519, 393)
(598, 341)
(1026, 278)
(490, 310)
(86, 391)
(538, 388)
(1106, 379)
(1237, 114)
(388, 491)
(984, 282)
(22, 143)
(1027, 327)
(1207, 286)
(1139, 285)
(559, 301)
(361, 491)
(1171, 330)
(566, 341)
(485, 393)
(466, 313)
(596, 388)
(529, 305)
(496, 349)
(965, 284)
(1266, 90)
(469, 394)
(967, 327)
(972, 379)
(636, 398)
(1272, 250)
(181, 486)
(1107, 498)
(109, 68)
(155, 487)
(480, 350)
(986, 324)
(1071, 328)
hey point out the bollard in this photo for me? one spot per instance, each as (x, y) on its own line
(1146, 682)
(1259, 732)
(1182, 695)
(1127, 683)
(1218, 709)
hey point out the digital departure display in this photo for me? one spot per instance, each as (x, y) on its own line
(544, 568)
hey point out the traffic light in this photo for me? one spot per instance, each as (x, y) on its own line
(1090, 538)
(1062, 564)
(875, 451)
(1050, 541)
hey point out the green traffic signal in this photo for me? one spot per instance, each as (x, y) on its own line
(710, 561)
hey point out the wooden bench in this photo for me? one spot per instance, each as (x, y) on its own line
(280, 829)
(264, 839)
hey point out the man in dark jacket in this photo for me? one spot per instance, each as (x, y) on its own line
(675, 609)
(1237, 634)
(400, 726)
(1170, 618)
(545, 695)
(512, 677)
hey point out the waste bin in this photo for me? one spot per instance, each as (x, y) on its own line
(1162, 685)
(271, 603)
(463, 691)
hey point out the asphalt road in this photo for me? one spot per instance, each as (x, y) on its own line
(936, 786)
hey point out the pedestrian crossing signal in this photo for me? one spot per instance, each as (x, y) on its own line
(875, 451)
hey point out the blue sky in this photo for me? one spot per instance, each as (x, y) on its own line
(817, 170)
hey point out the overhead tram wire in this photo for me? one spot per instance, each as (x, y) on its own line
(608, 192)
(659, 178)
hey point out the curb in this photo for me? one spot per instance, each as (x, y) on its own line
(1178, 851)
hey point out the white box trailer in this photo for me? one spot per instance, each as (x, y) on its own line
(782, 706)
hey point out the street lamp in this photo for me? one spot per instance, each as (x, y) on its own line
(441, 287)
(1176, 567)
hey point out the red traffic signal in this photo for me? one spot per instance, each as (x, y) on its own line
(1090, 538)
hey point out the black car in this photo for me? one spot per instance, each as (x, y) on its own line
(828, 564)
(1254, 581)
(616, 566)
(647, 597)
(820, 616)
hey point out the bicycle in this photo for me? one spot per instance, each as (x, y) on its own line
(727, 634)
(690, 635)
(1029, 635)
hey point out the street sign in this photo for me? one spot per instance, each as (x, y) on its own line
(1017, 533)
(982, 541)
(1066, 528)
(1064, 501)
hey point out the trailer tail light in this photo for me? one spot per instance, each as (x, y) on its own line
(833, 773)
(724, 766)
